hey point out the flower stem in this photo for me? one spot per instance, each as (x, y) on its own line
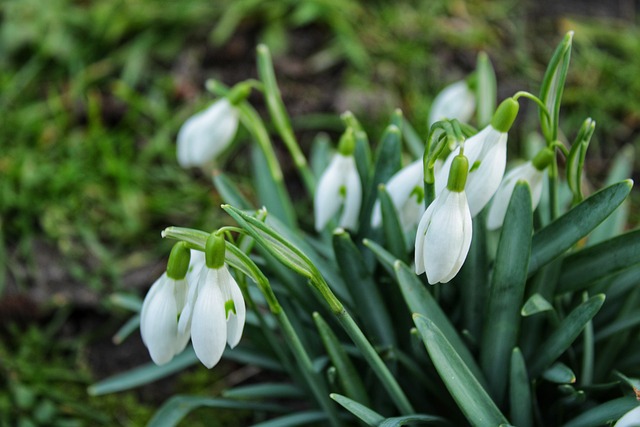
(280, 118)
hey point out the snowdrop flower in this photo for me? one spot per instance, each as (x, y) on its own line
(161, 307)
(215, 312)
(630, 419)
(339, 186)
(208, 133)
(406, 190)
(487, 154)
(444, 233)
(532, 172)
(456, 101)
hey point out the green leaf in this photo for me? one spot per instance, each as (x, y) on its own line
(486, 90)
(387, 163)
(615, 223)
(384, 257)
(263, 391)
(413, 140)
(347, 374)
(271, 193)
(584, 267)
(604, 414)
(553, 86)
(559, 373)
(393, 232)
(229, 191)
(470, 396)
(127, 301)
(502, 318)
(534, 305)
(293, 420)
(178, 407)
(519, 391)
(143, 374)
(564, 335)
(575, 160)
(363, 289)
(473, 280)
(127, 329)
(559, 236)
(415, 419)
(421, 301)
(365, 414)
(277, 245)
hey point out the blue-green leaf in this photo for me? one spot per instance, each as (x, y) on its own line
(502, 319)
(559, 236)
(470, 396)
(519, 391)
(178, 407)
(365, 414)
(604, 413)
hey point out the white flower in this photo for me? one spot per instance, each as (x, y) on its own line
(207, 133)
(339, 185)
(214, 314)
(158, 319)
(444, 237)
(487, 154)
(455, 101)
(630, 419)
(405, 189)
(525, 172)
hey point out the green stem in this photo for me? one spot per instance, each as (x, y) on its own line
(532, 97)
(553, 187)
(314, 380)
(280, 117)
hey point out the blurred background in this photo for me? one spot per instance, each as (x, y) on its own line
(92, 94)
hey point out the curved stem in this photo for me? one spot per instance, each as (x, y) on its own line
(532, 97)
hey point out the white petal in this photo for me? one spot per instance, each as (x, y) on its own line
(420, 236)
(235, 321)
(208, 324)
(160, 327)
(196, 265)
(399, 188)
(630, 419)
(353, 198)
(445, 243)
(184, 323)
(483, 182)
(206, 134)
(327, 199)
(153, 290)
(455, 101)
(536, 182)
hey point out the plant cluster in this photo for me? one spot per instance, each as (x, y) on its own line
(536, 325)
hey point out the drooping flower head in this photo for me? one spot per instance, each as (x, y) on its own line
(208, 133)
(339, 186)
(215, 311)
(487, 154)
(533, 173)
(161, 307)
(444, 233)
(456, 101)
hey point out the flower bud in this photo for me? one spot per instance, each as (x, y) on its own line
(505, 115)
(215, 251)
(179, 259)
(543, 159)
(458, 174)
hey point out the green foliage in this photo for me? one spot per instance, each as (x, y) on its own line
(43, 382)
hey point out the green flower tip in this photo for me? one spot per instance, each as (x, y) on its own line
(178, 264)
(543, 159)
(347, 144)
(505, 115)
(458, 173)
(229, 307)
(214, 251)
(239, 93)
